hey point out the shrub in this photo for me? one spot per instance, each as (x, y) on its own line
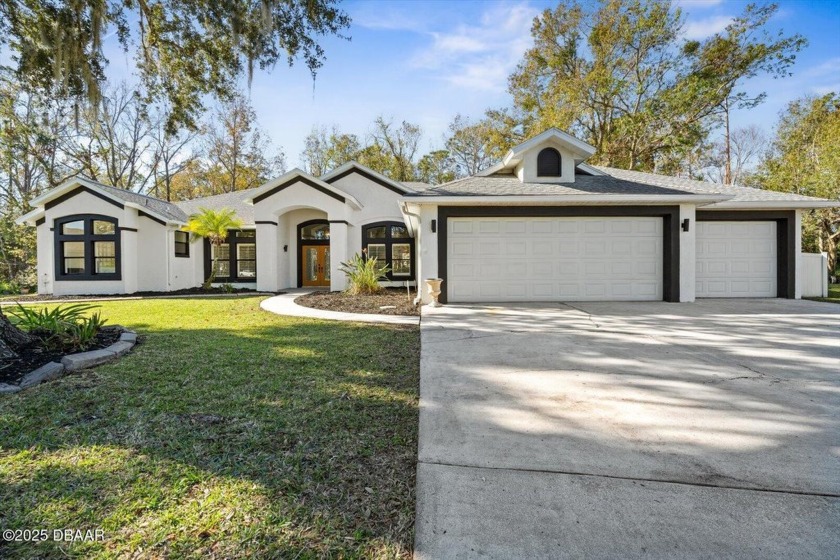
(65, 326)
(364, 275)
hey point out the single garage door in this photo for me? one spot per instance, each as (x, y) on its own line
(554, 259)
(736, 259)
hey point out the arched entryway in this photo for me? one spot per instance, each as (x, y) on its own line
(313, 242)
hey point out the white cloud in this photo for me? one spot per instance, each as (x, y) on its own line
(706, 27)
(480, 56)
(830, 67)
(699, 4)
(830, 88)
(389, 20)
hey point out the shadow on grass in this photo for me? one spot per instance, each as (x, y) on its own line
(238, 435)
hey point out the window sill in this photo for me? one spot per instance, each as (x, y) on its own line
(89, 278)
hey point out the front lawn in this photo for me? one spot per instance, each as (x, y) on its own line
(228, 432)
(833, 294)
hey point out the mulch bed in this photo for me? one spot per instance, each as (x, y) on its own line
(36, 354)
(185, 292)
(340, 301)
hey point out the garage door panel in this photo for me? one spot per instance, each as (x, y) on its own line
(595, 248)
(736, 259)
(545, 259)
(542, 226)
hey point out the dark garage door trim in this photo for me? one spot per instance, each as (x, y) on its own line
(785, 241)
(670, 221)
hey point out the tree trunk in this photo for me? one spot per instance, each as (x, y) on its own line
(209, 282)
(829, 244)
(11, 338)
(727, 169)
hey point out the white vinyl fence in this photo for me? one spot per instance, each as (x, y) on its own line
(814, 275)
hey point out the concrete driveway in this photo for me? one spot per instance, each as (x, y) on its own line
(625, 430)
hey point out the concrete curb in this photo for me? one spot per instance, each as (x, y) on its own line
(284, 304)
(73, 362)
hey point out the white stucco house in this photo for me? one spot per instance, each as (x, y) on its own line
(542, 225)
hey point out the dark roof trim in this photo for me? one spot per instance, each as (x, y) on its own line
(291, 182)
(669, 214)
(369, 177)
(127, 229)
(786, 248)
(266, 222)
(79, 190)
(40, 221)
(345, 222)
(144, 215)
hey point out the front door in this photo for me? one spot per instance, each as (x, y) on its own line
(316, 265)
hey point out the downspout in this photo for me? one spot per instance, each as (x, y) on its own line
(405, 211)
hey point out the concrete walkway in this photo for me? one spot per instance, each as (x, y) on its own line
(630, 430)
(284, 304)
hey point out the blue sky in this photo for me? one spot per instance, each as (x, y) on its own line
(426, 60)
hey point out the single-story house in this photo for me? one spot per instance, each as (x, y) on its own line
(542, 225)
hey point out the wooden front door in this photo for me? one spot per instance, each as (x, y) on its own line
(316, 265)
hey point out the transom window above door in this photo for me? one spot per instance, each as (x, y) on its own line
(316, 232)
(390, 243)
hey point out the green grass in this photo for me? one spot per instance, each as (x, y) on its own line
(228, 432)
(833, 294)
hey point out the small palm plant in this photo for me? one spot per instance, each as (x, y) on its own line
(364, 274)
(212, 225)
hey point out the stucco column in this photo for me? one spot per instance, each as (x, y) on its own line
(46, 258)
(688, 253)
(267, 247)
(797, 247)
(338, 254)
(428, 251)
(130, 250)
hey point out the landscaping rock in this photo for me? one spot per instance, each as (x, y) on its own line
(8, 389)
(46, 372)
(128, 336)
(84, 360)
(120, 348)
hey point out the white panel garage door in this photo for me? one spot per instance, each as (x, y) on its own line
(736, 259)
(554, 259)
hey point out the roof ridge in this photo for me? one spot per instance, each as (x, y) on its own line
(216, 195)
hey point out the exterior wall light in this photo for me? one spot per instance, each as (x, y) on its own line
(685, 224)
(434, 226)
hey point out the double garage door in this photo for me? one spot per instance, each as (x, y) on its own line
(554, 259)
(599, 258)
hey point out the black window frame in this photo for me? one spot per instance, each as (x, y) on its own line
(186, 244)
(89, 239)
(545, 167)
(234, 239)
(389, 241)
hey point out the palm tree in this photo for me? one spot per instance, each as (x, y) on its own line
(212, 225)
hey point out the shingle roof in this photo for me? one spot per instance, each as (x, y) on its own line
(233, 200)
(510, 185)
(416, 186)
(615, 182)
(166, 209)
(741, 194)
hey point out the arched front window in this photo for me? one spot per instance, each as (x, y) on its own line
(548, 163)
(390, 243)
(87, 247)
